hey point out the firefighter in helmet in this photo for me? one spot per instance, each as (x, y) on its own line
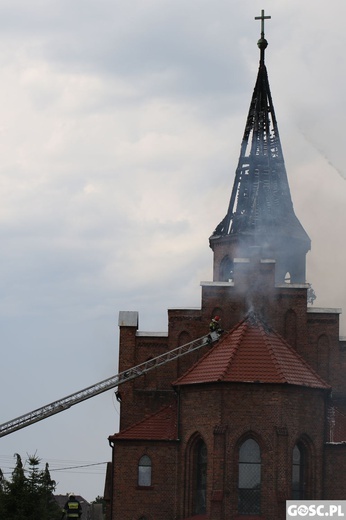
(215, 325)
(72, 508)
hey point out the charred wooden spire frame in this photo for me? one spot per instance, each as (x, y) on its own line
(260, 210)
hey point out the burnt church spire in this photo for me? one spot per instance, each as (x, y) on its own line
(260, 216)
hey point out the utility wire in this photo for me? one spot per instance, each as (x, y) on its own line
(57, 469)
(74, 467)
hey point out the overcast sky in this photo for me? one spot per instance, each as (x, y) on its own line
(120, 131)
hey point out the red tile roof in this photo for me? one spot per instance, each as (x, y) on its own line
(252, 352)
(160, 426)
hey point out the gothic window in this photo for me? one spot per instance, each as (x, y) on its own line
(226, 270)
(200, 478)
(298, 472)
(217, 311)
(144, 471)
(249, 478)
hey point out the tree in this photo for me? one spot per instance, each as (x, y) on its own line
(14, 492)
(28, 497)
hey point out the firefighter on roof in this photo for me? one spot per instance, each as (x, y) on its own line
(214, 325)
(72, 508)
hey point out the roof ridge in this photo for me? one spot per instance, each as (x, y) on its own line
(243, 323)
(265, 335)
(301, 358)
(262, 326)
(265, 330)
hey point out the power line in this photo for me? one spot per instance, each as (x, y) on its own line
(75, 467)
(51, 469)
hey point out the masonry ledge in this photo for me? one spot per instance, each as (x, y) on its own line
(184, 309)
(145, 333)
(323, 310)
(217, 284)
(292, 285)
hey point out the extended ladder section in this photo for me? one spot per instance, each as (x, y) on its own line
(103, 386)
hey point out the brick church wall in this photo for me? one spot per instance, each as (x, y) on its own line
(277, 415)
(155, 501)
(335, 471)
(274, 415)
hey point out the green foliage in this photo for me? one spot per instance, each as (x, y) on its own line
(28, 495)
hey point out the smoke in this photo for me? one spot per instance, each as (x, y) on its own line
(322, 153)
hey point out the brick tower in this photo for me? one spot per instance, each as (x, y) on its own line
(234, 429)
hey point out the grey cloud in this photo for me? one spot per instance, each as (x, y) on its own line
(120, 129)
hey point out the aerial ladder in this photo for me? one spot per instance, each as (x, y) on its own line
(107, 384)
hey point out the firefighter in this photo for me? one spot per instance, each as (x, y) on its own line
(214, 325)
(72, 508)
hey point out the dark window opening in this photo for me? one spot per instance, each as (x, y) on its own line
(298, 472)
(226, 270)
(249, 478)
(200, 506)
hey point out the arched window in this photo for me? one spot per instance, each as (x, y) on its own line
(217, 311)
(249, 479)
(226, 269)
(298, 472)
(144, 471)
(200, 478)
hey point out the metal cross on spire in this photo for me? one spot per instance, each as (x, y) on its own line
(262, 42)
(262, 18)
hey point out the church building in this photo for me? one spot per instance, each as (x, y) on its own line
(234, 429)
